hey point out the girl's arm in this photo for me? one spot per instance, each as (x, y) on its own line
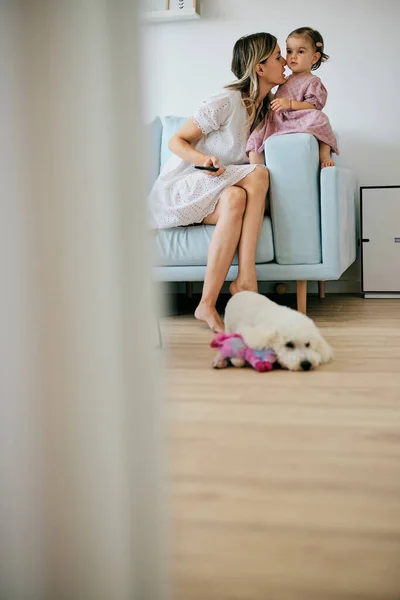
(302, 105)
(181, 145)
(285, 104)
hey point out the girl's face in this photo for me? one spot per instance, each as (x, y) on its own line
(300, 55)
(274, 68)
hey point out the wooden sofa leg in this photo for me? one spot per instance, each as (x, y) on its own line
(321, 289)
(189, 289)
(301, 289)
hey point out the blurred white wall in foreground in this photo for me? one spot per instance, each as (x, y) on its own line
(81, 504)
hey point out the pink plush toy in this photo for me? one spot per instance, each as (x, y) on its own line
(232, 348)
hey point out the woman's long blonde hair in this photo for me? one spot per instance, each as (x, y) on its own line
(248, 51)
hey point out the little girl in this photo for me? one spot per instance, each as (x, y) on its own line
(298, 103)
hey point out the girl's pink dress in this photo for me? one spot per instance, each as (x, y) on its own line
(303, 88)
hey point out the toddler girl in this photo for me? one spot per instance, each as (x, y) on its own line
(298, 103)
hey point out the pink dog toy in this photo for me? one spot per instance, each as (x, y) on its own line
(232, 348)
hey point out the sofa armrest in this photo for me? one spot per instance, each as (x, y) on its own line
(293, 163)
(338, 218)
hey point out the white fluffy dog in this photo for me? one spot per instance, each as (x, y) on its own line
(296, 341)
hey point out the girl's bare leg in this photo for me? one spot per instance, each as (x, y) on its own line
(325, 158)
(256, 187)
(228, 219)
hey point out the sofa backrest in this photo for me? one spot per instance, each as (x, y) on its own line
(153, 148)
(159, 132)
(170, 125)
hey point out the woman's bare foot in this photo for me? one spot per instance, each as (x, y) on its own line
(207, 313)
(325, 158)
(241, 286)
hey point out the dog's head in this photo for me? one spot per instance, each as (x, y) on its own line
(296, 341)
(302, 351)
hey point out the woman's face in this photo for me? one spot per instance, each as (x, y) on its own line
(275, 67)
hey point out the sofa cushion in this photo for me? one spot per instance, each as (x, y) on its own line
(170, 125)
(188, 246)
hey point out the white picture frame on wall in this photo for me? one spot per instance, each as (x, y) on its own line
(180, 4)
(171, 10)
(154, 5)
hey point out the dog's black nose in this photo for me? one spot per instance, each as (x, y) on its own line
(305, 365)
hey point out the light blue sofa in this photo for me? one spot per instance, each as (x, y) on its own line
(311, 234)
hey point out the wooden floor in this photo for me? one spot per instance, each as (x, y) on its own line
(286, 486)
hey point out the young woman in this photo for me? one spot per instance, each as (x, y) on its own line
(233, 197)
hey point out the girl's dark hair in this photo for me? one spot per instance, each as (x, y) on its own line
(317, 41)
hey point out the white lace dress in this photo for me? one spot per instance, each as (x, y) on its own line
(182, 195)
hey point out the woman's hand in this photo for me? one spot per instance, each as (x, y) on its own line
(279, 104)
(212, 161)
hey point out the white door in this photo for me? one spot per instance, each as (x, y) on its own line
(381, 226)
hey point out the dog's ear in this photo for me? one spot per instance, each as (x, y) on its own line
(324, 349)
(259, 338)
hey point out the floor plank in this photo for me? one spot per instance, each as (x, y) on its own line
(286, 486)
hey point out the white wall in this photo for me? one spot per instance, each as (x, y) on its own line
(185, 62)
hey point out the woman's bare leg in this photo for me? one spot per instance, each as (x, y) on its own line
(256, 187)
(228, 219)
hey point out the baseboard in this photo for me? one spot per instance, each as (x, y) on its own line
(382, 295)
(349, 283)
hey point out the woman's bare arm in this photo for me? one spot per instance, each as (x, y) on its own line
(181, 145)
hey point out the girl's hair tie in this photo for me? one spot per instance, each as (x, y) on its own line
(318, 44)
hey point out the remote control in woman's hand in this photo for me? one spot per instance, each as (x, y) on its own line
(208, 168)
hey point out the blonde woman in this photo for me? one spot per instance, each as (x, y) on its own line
(233, 197)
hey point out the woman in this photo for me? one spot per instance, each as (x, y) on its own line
(233, 197)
